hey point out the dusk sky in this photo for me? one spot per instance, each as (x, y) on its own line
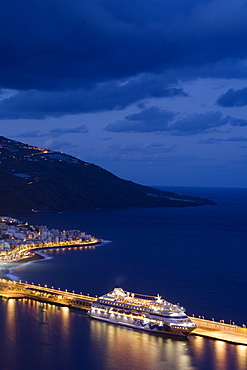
(154, 91)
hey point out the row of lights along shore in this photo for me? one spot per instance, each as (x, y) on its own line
(52, 287)
(221, 321)
(200, 317)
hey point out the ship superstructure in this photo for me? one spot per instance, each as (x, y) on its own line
(142, 312)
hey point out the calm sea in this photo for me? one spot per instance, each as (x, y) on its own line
(195, 256)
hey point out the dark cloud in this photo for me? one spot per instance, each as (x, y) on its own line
(31, 134)
(233, 98)
(55, 132)
(156, 119)
(105, 96)
(54, 45)
(237, 138)
(237, 121)
(148, 120)
(62, 131)
(196, 123)
(73, 56)
(211, 140)
(139, 151)
(217, 141)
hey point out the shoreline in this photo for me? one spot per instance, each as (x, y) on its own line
(34, 249)
(6, 268)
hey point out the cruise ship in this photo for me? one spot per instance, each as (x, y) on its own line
(142, 312)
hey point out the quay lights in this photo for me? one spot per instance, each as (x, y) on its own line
(221, 321)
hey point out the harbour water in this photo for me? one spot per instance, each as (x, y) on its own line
(194, 255)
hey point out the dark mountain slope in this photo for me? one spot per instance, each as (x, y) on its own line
(39, 180)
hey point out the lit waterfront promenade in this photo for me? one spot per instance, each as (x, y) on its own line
(17, 290)
(23, 251)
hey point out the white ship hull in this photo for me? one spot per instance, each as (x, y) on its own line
(141, 324)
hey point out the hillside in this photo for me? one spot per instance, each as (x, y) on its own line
(40, 180)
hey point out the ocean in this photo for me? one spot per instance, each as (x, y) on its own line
(195, 256)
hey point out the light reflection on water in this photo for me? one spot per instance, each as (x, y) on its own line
(10, 333)
(220, 354)
(241, 357)
(124, 348)
(50, 336)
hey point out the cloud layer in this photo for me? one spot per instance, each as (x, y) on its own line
(156, 119)
(55, 132)
(233, 98)
(55, 44)
(69, 57)
(105, 96)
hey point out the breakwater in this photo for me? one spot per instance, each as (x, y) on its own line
(219, 330)
(17, 290)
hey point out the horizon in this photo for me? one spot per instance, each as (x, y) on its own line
(144, 90)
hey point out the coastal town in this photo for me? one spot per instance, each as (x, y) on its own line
(19, 240)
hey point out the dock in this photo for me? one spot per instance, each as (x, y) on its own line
(221, 331)
(19, 290)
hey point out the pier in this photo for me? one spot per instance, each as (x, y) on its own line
(18, 290)
(219, 330)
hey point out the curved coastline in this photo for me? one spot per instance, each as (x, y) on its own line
(7, 269)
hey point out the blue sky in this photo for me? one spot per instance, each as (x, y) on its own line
(153, 91)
